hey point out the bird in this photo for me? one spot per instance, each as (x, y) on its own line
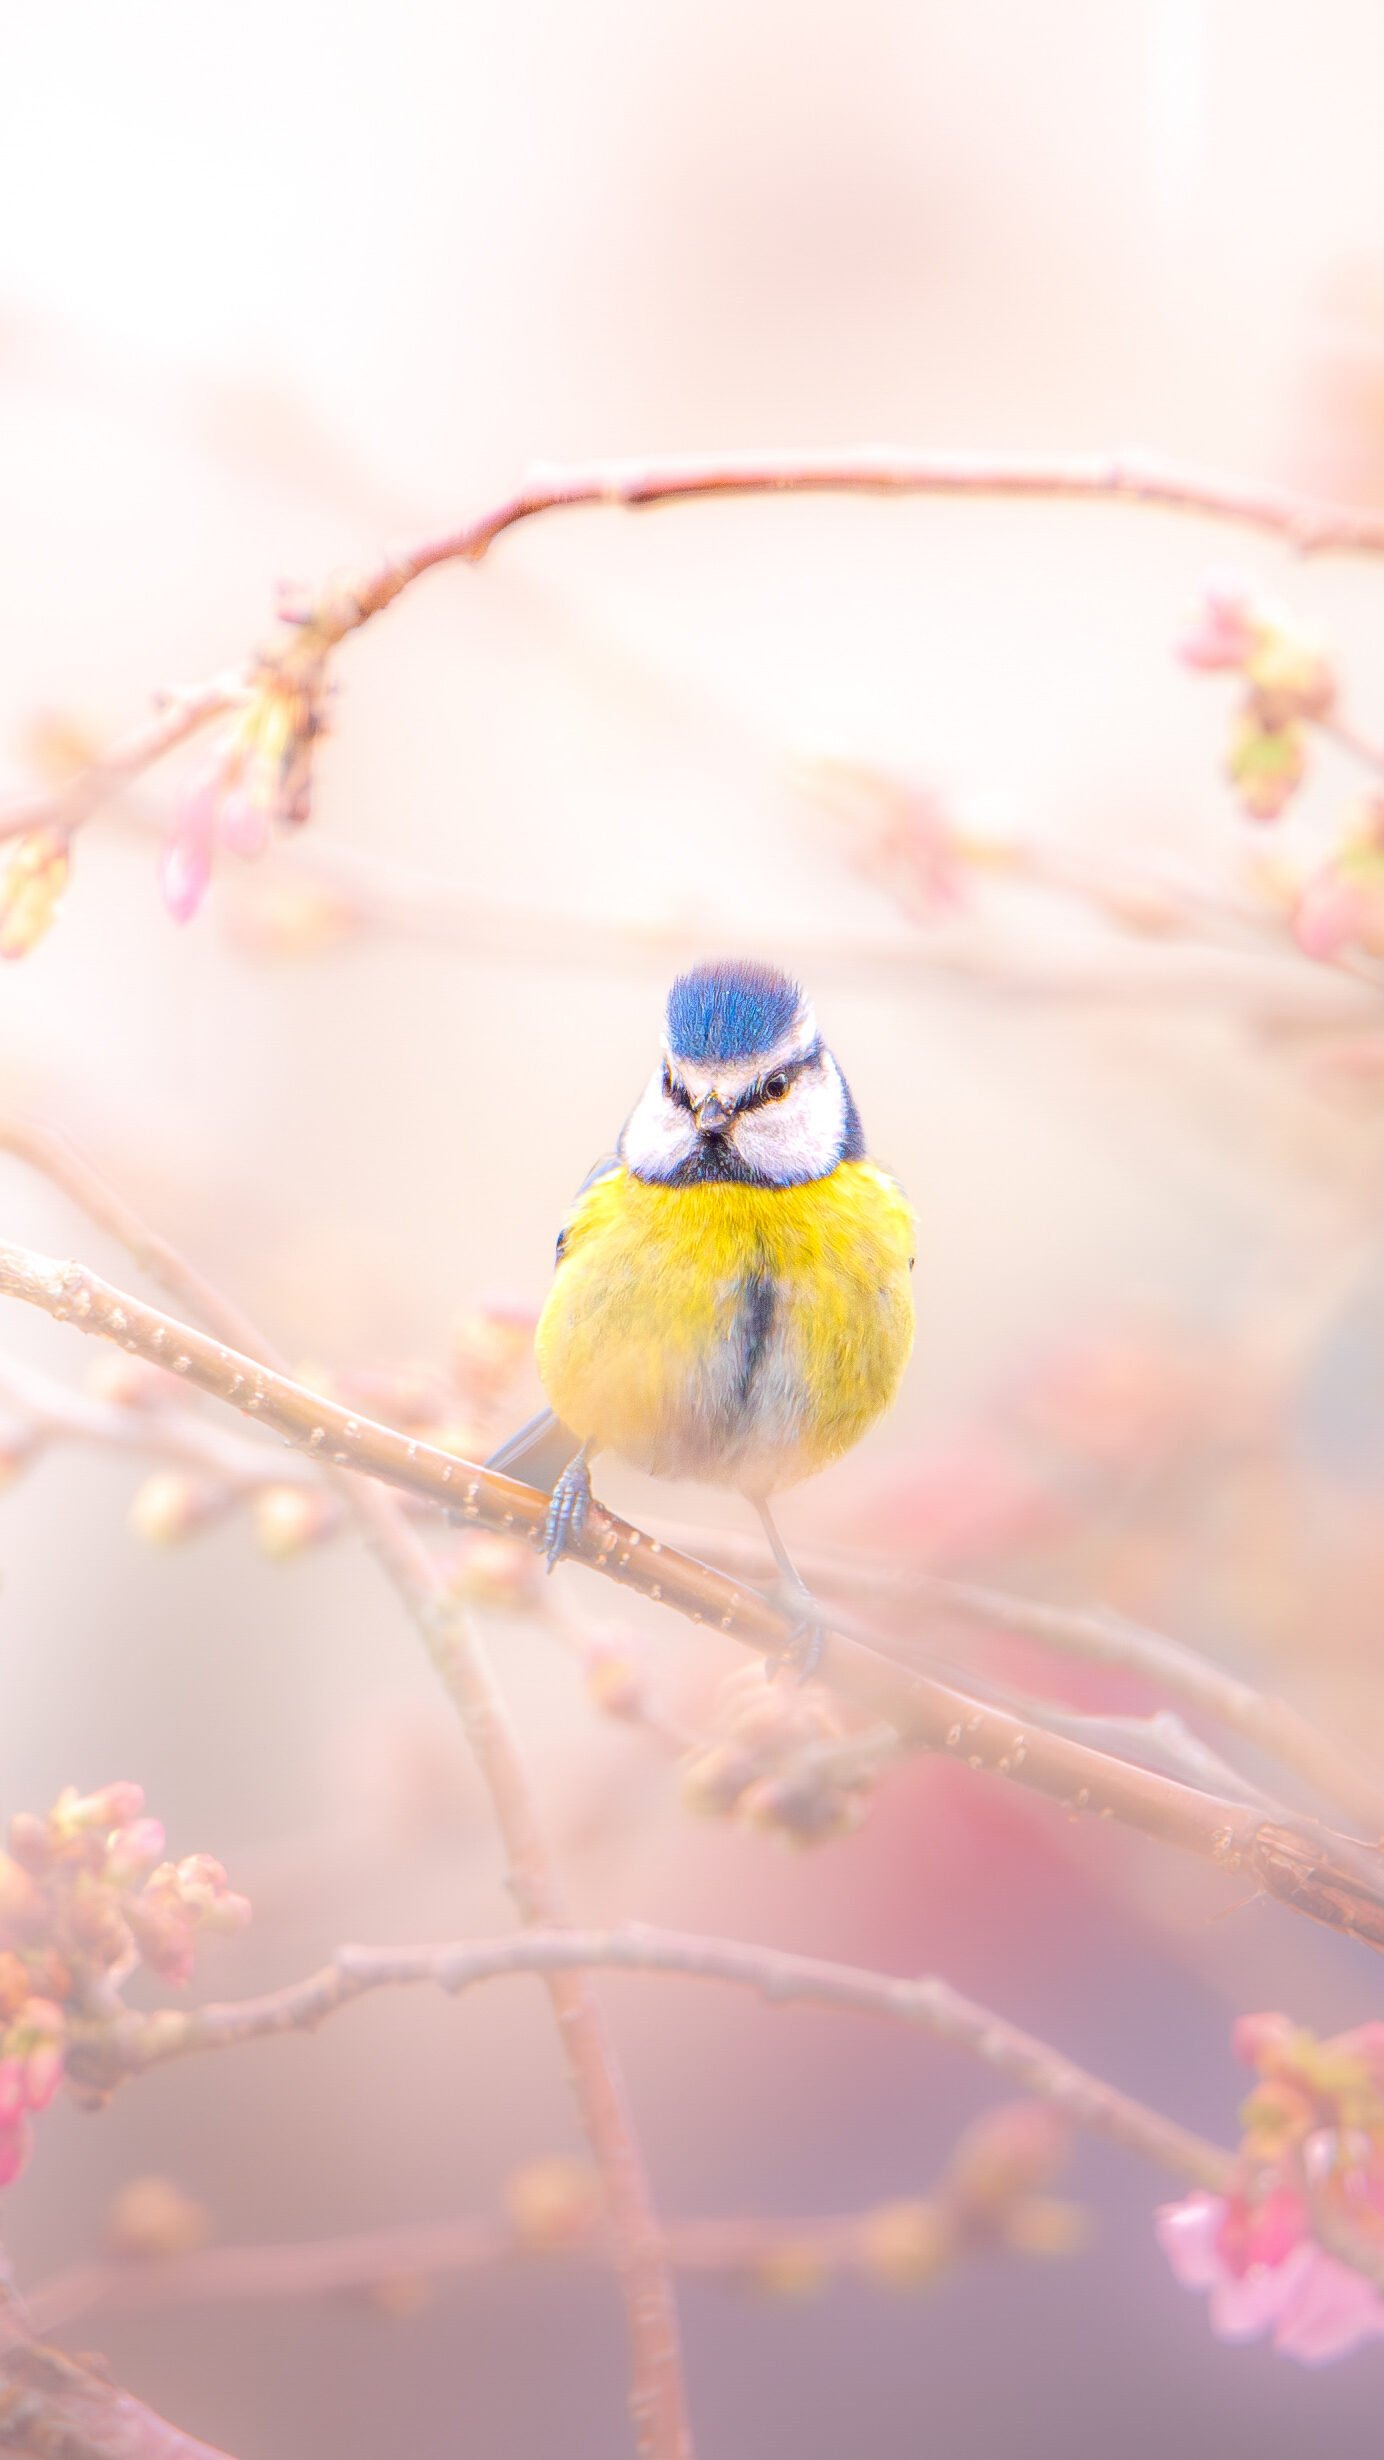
(731, 1301)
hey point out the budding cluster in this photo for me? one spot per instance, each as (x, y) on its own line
(85, 1898)
(1289, 685)
(1342, 904)
(262, 776)
(781, 1759)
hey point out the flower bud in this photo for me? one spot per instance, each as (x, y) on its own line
(615, 1682)
(553, 2204)
(31, 888)
(152, 2217)
(497, 1574)
(1046, 2225)
(791, 2268)
(133, 1852)
(1008, 2153)
(1266, 764)
(904, 2245)
(289, 1519)
(172, 1505)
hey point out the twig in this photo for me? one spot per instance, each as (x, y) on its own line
(1329, 1877)
(1310, 526)
(52, 1413)
(658, 2404)
(105, 2053)
(56, 2409)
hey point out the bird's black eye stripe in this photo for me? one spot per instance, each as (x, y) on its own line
(674, 1092)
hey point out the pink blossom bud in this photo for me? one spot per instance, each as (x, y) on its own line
(133, 1852)
(30, 1842)
(1223, 631)
(112, 1806)
(21, 1905)
(198, 1878)
(164, 1931)
(228, 1912)
(1257, 2039)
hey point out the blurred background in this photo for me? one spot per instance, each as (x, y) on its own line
(284, 287)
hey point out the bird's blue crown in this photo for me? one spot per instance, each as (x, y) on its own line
(735, 1010)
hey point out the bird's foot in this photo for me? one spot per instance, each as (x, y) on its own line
(568, 1506)
(801, 1653)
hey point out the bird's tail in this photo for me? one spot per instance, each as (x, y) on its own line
(536, 1453)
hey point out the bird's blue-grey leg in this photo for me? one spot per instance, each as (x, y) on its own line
(807, 1639)
(568, 1506)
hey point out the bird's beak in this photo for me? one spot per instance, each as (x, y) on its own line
(712, 1115)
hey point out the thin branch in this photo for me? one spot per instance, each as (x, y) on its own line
(106, 2053)
(1105, 1638)
(658, 2405)
(179, 717)
(51, 1412)
(1307, 1866)
(1309, 525)
(736, 2248)
(55, 2408)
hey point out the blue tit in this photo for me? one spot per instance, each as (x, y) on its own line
(732, 1299)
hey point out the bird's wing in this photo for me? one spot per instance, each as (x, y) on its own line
(539, 1451)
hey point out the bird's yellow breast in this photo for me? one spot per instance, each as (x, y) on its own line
(743, 1335)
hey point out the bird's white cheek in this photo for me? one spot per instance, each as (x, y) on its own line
(657, 1137)
(801, 1137)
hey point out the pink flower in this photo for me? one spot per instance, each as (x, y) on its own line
(1272, 2283)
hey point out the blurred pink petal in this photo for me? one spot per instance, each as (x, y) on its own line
(1331, 2311)
(1314, 2307)
(185, 868)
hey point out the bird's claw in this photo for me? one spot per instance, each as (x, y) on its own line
(568, 1506)
(801, 1653)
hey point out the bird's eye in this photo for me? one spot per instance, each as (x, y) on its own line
(674, 1092)
(667, 1084)
(775, 1086)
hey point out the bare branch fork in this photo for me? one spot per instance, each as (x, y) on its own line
(657, 2397)
(1334, 1879)
(1308, 525)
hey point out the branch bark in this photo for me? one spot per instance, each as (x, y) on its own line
(1309, 525)
(658, 2403)
(1329, 1877)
